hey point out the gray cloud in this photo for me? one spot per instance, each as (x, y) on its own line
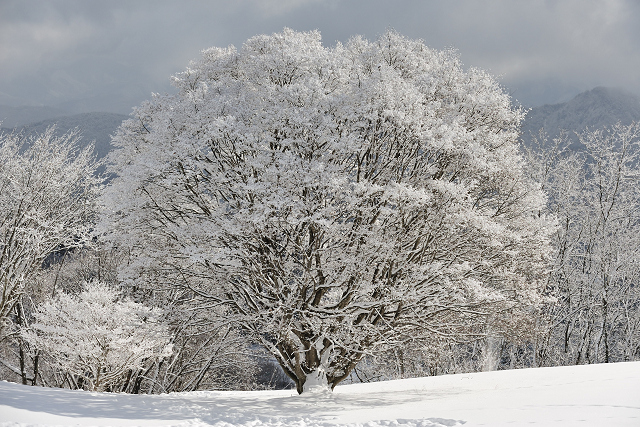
(110, 55)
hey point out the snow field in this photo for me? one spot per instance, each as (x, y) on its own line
(588, 395)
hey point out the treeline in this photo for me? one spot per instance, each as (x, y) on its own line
(591, 315)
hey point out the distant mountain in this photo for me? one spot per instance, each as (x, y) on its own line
(94, 127)
(594, 109)
(11, 117)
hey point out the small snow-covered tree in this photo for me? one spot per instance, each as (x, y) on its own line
(335, 201)
(97, 336)
(48, 189)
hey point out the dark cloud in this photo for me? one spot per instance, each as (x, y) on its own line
(110, 55)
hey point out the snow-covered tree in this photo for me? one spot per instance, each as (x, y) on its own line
(335, 201)
(48, 189)
(209, 354)
(97, 336)
(595, 194)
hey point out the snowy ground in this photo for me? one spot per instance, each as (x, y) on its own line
(595, 395)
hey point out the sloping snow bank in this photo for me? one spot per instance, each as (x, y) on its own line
(593, 395)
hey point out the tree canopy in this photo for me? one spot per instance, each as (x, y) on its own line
(333, 201)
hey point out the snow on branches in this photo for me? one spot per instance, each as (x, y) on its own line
(48, 190)
(97, 336)
(334, 200)
(594, 193)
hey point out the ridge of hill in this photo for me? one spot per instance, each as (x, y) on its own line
(601, 106)
(94, 127)
(11, 117)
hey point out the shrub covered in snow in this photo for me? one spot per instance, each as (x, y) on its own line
(97, 336)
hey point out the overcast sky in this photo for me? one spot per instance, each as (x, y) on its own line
(109, 55)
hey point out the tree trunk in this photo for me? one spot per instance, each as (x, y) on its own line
(316, 369)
